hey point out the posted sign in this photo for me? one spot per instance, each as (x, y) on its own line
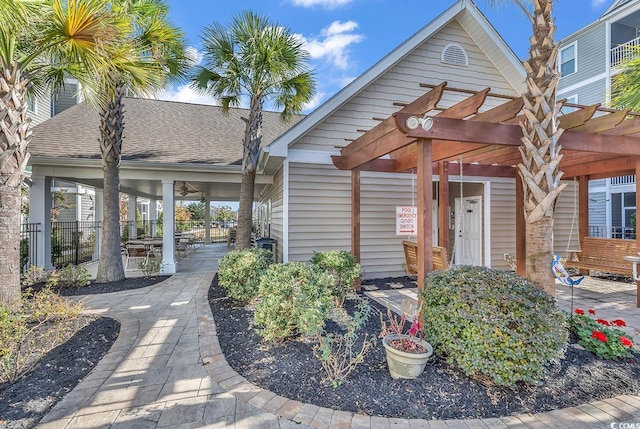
(406, 220)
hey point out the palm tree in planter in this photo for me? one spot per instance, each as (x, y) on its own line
(40, 44)
(254, 60)
(540, 150)
(151, 52)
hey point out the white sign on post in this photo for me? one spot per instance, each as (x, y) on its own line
(406, 220)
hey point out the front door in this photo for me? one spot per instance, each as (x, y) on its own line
(468, 239)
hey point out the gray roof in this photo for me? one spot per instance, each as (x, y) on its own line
(156, 131)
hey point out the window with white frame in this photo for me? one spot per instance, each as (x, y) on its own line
(570, 100)
(569, 59)
(32, 104)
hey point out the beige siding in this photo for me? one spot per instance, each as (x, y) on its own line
(43, 109)
(401, 84)
(274, 193)
(503, 221)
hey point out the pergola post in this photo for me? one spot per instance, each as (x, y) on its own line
(443, 205)
(425, 210)
(521, 232)
(637, 229)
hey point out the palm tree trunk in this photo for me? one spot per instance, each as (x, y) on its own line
(251, 153)
(110, 267)
(540, 151)
(14, 140)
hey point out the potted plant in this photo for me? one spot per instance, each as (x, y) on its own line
(407, 353)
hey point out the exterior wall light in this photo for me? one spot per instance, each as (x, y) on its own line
(426, 122)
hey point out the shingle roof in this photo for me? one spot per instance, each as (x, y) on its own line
(156, 131)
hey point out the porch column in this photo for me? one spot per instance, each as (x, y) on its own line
(583, 208)
(133, 210)
(169, 265)
(40, 204)
(443, 205)
(207, 221)
(98, 216)
(79, 203)
(521, 231)
(425, 213)
(153, 217)
(355, 213)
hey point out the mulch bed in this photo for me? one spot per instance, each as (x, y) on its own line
(442, 392)
(25, 401)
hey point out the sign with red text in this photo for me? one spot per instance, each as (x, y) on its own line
(406, 220)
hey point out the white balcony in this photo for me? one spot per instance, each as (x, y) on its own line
(625, 52)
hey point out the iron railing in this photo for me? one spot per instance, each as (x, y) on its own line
(602, 231)
(29, 245)
(154, 229)
(73, 242)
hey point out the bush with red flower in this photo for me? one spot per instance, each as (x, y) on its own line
(600, 336)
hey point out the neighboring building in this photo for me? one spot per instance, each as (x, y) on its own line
(588, 60)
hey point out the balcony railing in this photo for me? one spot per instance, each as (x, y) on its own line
(602, 231)
(623, 180)
(623, 53)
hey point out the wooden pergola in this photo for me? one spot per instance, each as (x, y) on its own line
(423, 137)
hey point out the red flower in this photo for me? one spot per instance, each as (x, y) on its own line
(600, 336)
(578, 311)
(619, 322)
(592, 311)
(603, 322)
(626, 341)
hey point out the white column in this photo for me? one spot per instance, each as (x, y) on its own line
(40, 212)
(169, 264)
(79, 203)
(207, 221)
(153, 217)
(133, 210)
(98, 216)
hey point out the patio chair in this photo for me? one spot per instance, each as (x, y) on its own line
(183, 247)
(134, 254)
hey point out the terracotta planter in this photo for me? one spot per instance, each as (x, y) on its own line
(402, 364)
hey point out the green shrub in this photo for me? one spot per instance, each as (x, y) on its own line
(344, 268)
(600, 336)
(294, 298)
(239, 272)
(492, 324)
(71, 276)
(34, 275)
(150, 267)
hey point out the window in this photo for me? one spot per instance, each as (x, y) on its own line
(454, 54)
(568, 59)
(32, 105)
(571, 100)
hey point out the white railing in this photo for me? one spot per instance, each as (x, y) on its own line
(625, 52)
(623, 180)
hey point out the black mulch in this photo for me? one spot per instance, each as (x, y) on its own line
(24, 402)
(442, 392)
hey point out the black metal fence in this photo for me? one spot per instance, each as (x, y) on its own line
(29, 245)
(217, 232)
(73, 242)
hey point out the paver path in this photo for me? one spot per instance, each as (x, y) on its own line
(167, 370)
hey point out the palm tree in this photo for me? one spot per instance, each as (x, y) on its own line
(254, 60)
(625, 88)
(40, 44)
(152, 52)
(540, 150)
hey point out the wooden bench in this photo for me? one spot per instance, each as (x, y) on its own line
(440, 260)
(604, 254)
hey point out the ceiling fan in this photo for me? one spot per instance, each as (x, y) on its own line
(187, 189)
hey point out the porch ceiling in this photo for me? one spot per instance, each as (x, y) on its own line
(597, 142)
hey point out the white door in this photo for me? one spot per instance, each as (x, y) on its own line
(468, 231)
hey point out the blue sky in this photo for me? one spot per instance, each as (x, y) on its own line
(346, 37)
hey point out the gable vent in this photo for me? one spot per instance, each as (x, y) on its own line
(454, 54)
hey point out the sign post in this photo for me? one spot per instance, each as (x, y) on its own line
(406, 220)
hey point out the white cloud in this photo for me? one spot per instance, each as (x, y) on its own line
(185, 94)
(329, 4)
(315, 101)
(193, 54)
(598, 3)
(333, 43)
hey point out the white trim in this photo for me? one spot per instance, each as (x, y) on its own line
(486, 201)
(574, 46)
(33, 111)
(311, 156)
(583, 83)
(607, 62)
(278, 147)
(285, 211)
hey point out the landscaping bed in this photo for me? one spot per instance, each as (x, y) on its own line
(290, 369)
